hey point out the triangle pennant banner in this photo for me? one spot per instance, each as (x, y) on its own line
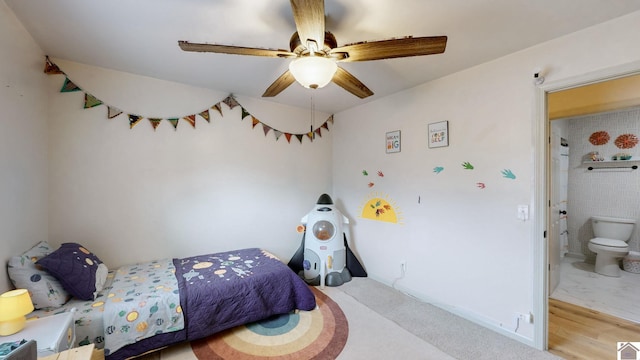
(218, 107)
(174, 122)
(230, 101)
(69, 86)
(113, 112)
(155, 122)
(277, 133)
(91, 101)
(266, 129)
(205, 115)
(51, 68)
(191, 119)
(134, 120)
(245, 113)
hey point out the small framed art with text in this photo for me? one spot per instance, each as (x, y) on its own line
(393, 141)
(438, 134)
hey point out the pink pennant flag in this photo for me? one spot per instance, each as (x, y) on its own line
(317, 131)
(231, 102)
(266, 129)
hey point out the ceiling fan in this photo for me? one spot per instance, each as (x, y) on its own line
(315, 52)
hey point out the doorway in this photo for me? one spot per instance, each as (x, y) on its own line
(545, 215)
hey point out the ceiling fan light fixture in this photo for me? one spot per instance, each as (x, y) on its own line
(313, 72)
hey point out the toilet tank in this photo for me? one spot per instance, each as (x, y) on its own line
(612, 228)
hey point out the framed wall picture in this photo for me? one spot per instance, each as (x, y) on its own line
(393, 141)
(438, 134)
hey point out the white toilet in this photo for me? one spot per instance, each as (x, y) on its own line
(610, 243)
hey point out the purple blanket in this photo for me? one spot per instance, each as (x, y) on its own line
(223, 290)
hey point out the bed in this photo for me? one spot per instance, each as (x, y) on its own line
(147, 306)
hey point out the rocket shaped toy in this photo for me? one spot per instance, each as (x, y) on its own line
(324, 255)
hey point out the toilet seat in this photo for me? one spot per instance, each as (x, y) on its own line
(609, 242)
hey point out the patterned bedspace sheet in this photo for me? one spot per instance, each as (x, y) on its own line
(86, 314)
(138, 301)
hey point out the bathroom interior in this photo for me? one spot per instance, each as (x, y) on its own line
(594, 130)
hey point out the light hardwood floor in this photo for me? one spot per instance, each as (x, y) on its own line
(576, 332)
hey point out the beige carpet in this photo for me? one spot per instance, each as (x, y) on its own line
(371, 336)
(387, 324)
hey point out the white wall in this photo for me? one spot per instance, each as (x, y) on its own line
(464, 247)
(601, 192)
(23, 141)
(134, 194)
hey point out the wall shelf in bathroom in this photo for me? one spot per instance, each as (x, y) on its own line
(631, 164)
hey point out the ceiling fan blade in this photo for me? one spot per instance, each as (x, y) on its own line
(235, 50)
(309, 18)
(345, 80)
(280, 84)
(394, 48)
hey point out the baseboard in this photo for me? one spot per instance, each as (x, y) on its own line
(465, 314)
(574, 255)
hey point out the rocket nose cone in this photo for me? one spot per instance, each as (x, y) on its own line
(324, 199)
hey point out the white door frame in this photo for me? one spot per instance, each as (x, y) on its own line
(540, 209)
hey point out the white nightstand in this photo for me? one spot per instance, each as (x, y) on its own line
(52, 334)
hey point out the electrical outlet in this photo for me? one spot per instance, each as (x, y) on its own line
(525, 317)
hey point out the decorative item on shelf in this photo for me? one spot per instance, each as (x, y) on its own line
(595, 156)
(621, 156)
(14, 305)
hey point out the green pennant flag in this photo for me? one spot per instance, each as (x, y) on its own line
(174, 122)
(245, 113)
(300, 136)
(134, 120)
(69, 86)
(91, 101)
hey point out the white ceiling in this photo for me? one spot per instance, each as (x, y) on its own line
(140, 37)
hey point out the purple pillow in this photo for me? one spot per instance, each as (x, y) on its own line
(79, 271)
